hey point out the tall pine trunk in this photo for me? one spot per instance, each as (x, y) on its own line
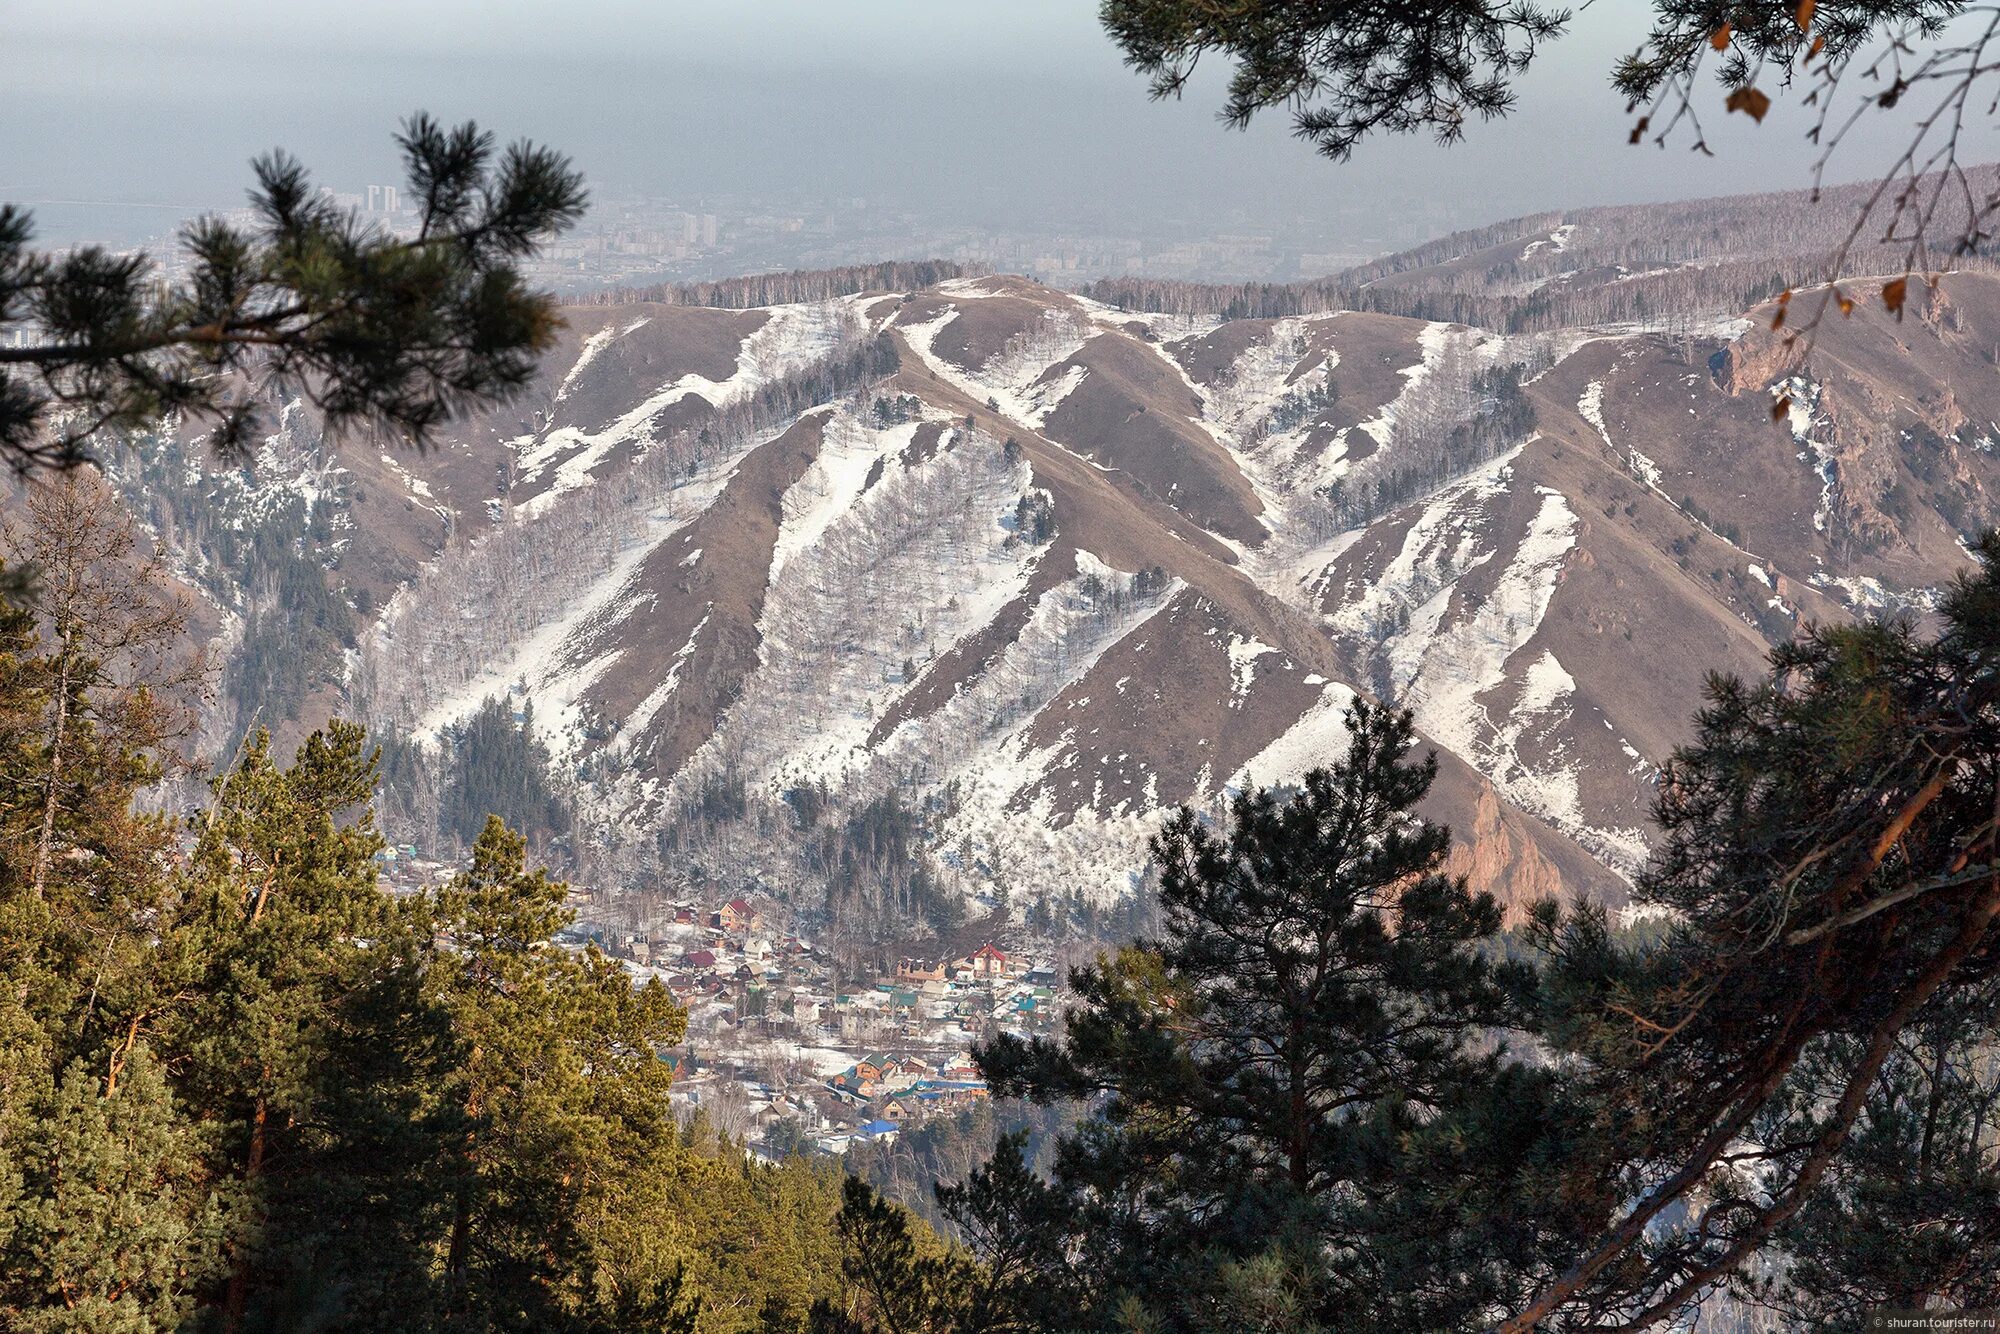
(238, 1296)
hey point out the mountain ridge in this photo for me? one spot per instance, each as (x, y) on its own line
(1038, 567)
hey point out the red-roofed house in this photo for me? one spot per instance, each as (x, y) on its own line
(987, 961)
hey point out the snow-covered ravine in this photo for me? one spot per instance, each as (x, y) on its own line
(500, 614)
(1021, 379)
(866, 584)
(1448, 654)
(790, 339)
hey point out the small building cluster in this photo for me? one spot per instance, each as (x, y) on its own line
(784, 1049)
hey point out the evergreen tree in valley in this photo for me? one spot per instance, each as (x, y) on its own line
(500, 769)
(1298, 1100)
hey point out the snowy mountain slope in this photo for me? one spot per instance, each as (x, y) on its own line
(1052, 566)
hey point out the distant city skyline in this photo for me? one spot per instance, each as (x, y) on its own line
(999, 118)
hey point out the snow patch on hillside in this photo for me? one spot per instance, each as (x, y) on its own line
(1808, 427)
(871, 582)
(1469, 656)
(1017, 379)
(981, 741)
(1318, 737)
(792, 338)
(1591, 406)
(1402, 606)
(642, 717)
(1431, 345)
(514, 606)
(541, 662)
(848, 452)
(1243, 655)
(1452, 651)
(1557, 241)
(593, 345)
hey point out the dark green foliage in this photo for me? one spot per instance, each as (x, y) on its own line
(908, 1168)
(374, 330)
(499, 768)
(875, 873)
(98, 1231)
(1298, 408)
(1346, 70)
(895, 411)
(1297, 1069)
(1035, 518)
(900, 1281)
(1910, 1215)
(1829, 863)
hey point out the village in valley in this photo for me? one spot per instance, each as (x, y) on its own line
(787, 1048)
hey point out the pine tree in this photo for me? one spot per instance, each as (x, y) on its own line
(1909, 1217)
(1830, 862)
(1294, 1079)
(500, 769)
(274, 937)
(108, 1228)
(373, 329)
(556, 1079)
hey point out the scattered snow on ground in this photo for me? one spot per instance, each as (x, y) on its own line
(1802, 414)
(1591, 406)
(586, 354)
(1243, 655)
(1022, 379)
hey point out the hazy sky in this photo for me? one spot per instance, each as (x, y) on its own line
(993, 110)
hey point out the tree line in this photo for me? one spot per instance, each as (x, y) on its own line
(784, 289)
(1649, 264)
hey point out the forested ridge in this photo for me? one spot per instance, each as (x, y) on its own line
(1645, 264)
(777, 289)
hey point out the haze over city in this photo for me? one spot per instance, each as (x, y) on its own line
(1010, 130)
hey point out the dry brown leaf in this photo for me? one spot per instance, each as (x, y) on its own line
(1846, 303)
(1804, 14)
(1750, 101)
(1780, 408)
(1719, 39)
(1893, 293)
